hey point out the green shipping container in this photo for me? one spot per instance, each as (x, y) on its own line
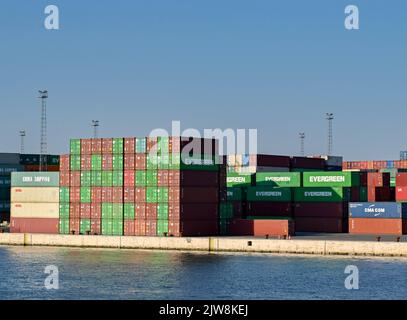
(164, 161)
(4, 193)
(96, 178)
(363, 194)
(226, 210)
(35, 179)
(64, 210)
(118, 162)
(86, 195)
(278, 179)
(270, 194)
(201, 163)
(162, 211)
(107, 211)
(86, 178)
(224, 227)
(117, 179)
(117, 211)
(141, 180)
(162, 227)
(141, 145)
(238, 180)
(322, 194)
(235, 194)
(331, 179)
(84, 226)
(107, 227)
(64, 195)
(151, 195)
(118, 146)
(151, 178)
(117, 227)
(75, 162)
(75, 146)
(107, 178)
(64, 226)
(162, 194)
(128, 211)
(163, 145)
(152, 162)
(96, 162)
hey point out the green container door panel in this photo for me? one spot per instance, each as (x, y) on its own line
(75, 146)
(84, 226)
(331, 179)
(107, 211)
(96, 179)
(152, 162)
(117, 178)
(96, 162)
(118, 146)
(162, 194)
(86, 195)
(117, 227)
(128, 211)
(141, 145)
(162, 211)
(64, 210)
(86, 178)
(151, 178)
(278, 179)
(162, 227)
(107, 227)
(234, 194)
(117, 212)
(270, 194)
(118, 162)
(151, 195)
(107, 178)
(163, 145)
(64, 226)
(64, 195)
(75, 162)
(164, 161)
(226, 210)
(140, 179)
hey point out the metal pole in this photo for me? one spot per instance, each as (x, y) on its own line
(95, 124)
(330, 118)
(22, 135)
(302, 140)
(43, 149)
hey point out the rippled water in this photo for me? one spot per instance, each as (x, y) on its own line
(133, 274)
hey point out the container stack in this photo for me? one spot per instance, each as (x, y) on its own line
(31, 162)
(34, 202)
(140, 186)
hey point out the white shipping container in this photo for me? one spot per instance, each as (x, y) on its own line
(35, 195)
(35, 210)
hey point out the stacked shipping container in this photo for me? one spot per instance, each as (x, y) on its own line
(140, 186)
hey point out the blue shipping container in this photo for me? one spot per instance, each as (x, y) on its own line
(390, 164)
(383, 210)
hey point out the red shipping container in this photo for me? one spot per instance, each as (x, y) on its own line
(198, 195)
(75, 194)
(75, 179)
(86, 162)
(129, 161)
(140, 161)
(140, 211)
(129, 228)
(152, 144)
(375, 226)
(188, 212)
(96, 211)
(378, 179)
(96, 146)
(64, 178)
(140, 194)
(129, 145)
(129, 194)
(192, 178)
(128, 179)
(85, 211)
(86, 146)
(107, 194)
(34, 225)
(107, 162)
(174, 177)
(401, 194)
(199, 228)
(379, 194)
(95, 226)
(117, 194)
(162, 178)
(210, 146)
(401, 179)
(271, 209)
(96, 194)
(174, 145)
(74, 226)
(174, 228)
(151, 228)
(74, 210)
(140, 227)
(107, 146)
(315, 224)
(151, 211)
(262, 228)
(65, 162)
(319, 210)
(174, 194)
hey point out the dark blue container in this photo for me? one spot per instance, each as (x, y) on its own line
(380, 210)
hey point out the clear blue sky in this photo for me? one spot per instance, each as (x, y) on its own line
(277, 66)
